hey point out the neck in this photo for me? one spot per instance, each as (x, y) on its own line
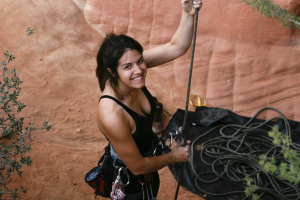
(127, 94)
(122, 93)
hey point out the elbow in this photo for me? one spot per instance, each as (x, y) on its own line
(180, 50)
(138, 171)
(184, 50)
(139, 168)
(185, 47)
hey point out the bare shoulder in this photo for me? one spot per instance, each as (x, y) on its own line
(109, 112)
(111, 118)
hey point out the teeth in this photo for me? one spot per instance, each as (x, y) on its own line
(139, 78)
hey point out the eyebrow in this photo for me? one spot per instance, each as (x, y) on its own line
(130, 63)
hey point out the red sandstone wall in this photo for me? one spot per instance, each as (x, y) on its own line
(243, 61)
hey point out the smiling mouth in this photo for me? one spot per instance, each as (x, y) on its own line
(137, 78)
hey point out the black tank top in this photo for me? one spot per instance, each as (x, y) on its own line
(143, 135)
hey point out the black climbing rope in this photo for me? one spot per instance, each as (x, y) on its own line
(188, 93)
(191, 71)
(234, 153)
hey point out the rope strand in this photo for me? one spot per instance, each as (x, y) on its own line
(234, 153)
(188, 94)
(191, 71)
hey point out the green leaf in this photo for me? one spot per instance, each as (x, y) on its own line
(29, 31)
(14, 153)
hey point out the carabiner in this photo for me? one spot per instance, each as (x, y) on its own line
(124, 169)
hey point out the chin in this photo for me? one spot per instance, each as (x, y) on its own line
(140, 85)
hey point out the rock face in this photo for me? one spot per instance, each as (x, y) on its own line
(243, 62)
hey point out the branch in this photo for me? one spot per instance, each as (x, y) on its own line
(266, 7)
(29, 32)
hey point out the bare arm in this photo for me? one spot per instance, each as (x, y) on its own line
(116, 128)
(180, 41)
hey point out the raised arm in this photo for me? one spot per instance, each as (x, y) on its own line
(180, 41)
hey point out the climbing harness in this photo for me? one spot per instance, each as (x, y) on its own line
(145, 182)
(117, 192)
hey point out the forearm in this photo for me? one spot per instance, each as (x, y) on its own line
(151, 164)
(178, 45)
(182, 38)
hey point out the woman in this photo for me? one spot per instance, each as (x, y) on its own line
(126, 108)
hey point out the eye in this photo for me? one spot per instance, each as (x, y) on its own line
(140, 61)
(127, 66)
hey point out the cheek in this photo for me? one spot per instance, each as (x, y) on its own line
(124, 75)
(144, 67)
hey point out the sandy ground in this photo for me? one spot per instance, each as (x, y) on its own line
(57, 66)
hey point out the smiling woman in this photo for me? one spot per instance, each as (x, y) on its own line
(126, 108)
(132, 71)
(133, 66)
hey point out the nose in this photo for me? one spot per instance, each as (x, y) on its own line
(138, 69)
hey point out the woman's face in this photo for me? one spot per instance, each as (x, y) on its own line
(132, 70)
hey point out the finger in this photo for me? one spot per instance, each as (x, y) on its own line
(187, 158)
(197, 3)
(188, 149)
(187, 146)
(185, 2)
(179, 144)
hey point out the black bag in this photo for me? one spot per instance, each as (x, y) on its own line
(204, 124)
(96, 176)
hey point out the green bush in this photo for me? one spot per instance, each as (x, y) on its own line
(271, 10)
(288, 170)
(15, 137)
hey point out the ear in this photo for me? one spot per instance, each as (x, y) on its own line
(111, 73)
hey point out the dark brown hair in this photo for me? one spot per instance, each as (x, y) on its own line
(112, 49)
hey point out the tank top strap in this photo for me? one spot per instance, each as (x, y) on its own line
(150, 99)
(131, 112)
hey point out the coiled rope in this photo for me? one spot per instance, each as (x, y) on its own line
(234, 154)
